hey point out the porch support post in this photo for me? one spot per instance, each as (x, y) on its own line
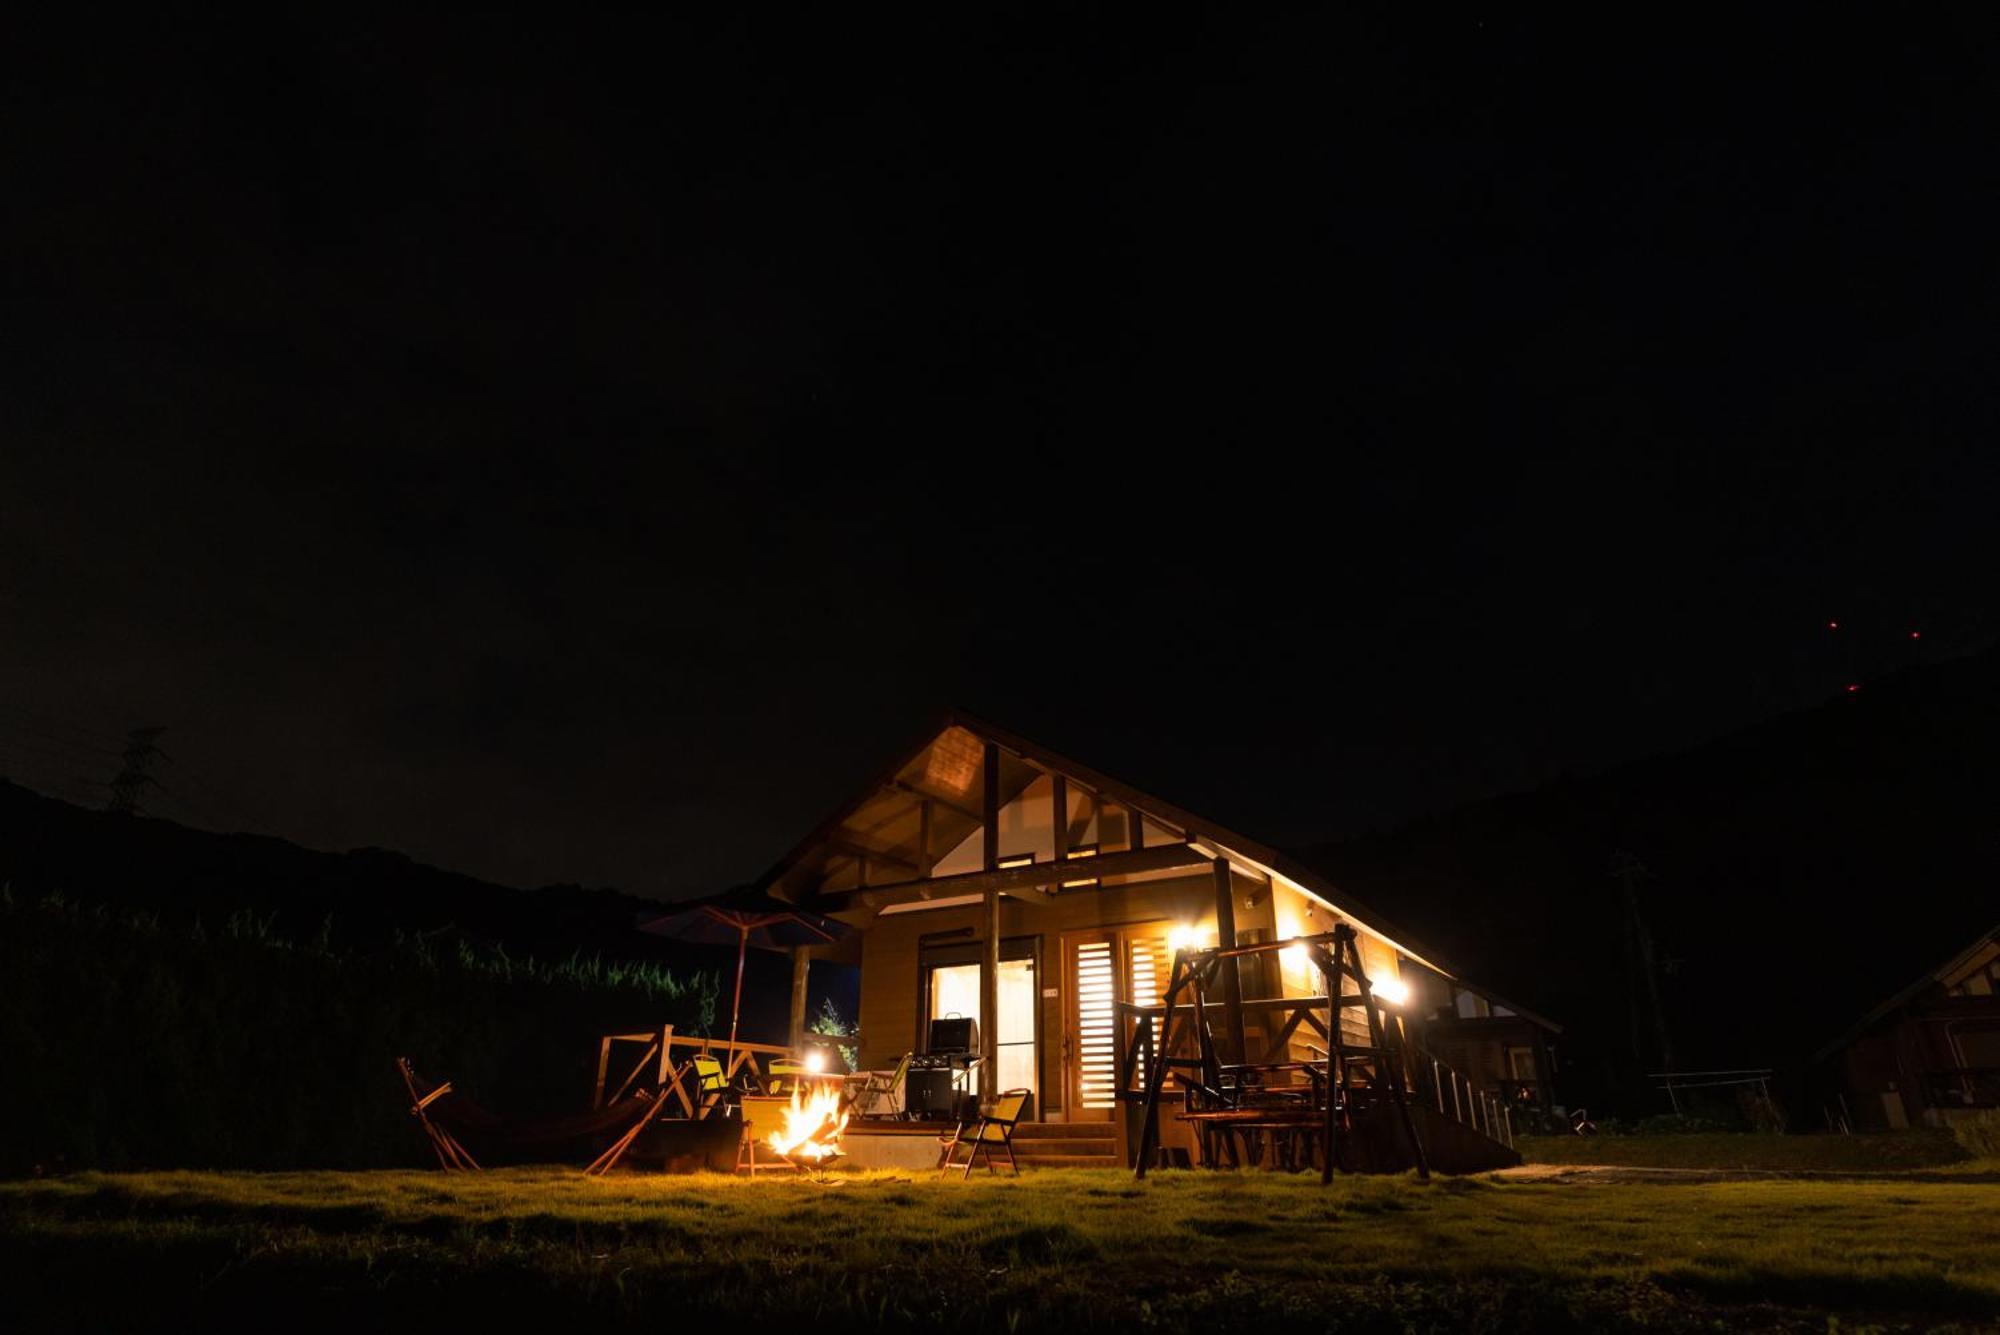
(989, 963)
(1059, 814)
(1232, 984)
(801, 969)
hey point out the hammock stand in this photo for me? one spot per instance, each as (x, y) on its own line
(449, 1119)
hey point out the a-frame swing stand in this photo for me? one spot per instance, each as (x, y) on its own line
(1228, 1099)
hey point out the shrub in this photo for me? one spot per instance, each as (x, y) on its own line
(830, 1021)
(1979, 1134)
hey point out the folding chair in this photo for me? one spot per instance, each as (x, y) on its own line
(711, 1086)
(761, 1114)
(869, 1089)
(996, 1127)
(783, 1077)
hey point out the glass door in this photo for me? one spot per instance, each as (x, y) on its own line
(954, 990)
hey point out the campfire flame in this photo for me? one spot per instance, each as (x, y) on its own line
(813, 1124)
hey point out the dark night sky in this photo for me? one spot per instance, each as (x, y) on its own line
(586, 455)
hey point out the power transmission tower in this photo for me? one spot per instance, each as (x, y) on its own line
(1643, 968)
(135, 773)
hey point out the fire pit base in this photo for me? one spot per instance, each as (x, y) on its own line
(818, 1170)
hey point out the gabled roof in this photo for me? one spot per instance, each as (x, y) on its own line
(882, 823)
(1912, 992)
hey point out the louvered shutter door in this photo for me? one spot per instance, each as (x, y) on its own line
(1096, 1058)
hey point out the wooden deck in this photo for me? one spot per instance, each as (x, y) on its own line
(1036, 1144)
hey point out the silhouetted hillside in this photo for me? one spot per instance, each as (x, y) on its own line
(49, 847)
(1799, 872)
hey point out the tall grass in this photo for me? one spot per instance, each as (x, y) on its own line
(129, 1042)
(1055, 1249)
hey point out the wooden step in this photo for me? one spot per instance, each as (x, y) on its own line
(1072, 1148)
(1064, 1130)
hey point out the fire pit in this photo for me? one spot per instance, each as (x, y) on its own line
(810, 1137)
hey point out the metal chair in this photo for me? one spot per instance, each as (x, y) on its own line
(868, 1089)
(995, 1127)
(783, 1077)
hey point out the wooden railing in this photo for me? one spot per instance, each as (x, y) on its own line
(1964, 1087)
(1455, 1096)
(671, 1054)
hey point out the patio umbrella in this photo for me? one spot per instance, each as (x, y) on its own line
(745, 917)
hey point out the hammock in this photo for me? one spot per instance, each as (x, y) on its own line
(452, 1119)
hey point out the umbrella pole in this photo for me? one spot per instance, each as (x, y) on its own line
(736, 1006)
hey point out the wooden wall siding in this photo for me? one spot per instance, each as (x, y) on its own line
(1430, 991)
(1027, 826)
(891, 1004)
(1297, 914)
(889, 987)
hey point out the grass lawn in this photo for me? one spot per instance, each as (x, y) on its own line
(549, 1250)
(1892, 1152)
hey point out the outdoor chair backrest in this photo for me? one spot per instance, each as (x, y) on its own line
(762, 1114)
(998, 1124)
(1007, 1108)
(902, 1071)
(708, 1077)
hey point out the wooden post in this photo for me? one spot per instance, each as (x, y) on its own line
(1059, 810)
(1389, 1062)
(989, 817)
(924, 863)
(801, 969)
(989, 964)
(1335, 1068)
(1156, 1075)
(1232, 986)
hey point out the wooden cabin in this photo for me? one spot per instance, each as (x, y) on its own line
(992, 878)
(1928, 1055)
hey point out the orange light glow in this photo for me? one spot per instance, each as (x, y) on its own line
(813, 1124)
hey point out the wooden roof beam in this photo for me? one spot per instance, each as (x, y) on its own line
(854, 848)
(1036, 875)
(904, 786)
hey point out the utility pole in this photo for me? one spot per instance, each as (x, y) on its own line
(135, 773)
(1629, 871)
